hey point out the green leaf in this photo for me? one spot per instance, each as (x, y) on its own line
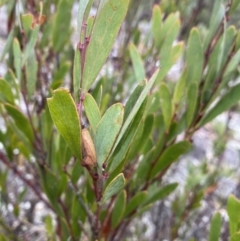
(227, 101)
(215, 227)
(21, 121)
(77, 213)
(220, 55)
(157, 25)
(102, 3)
(217, 15)
(7, 45)
(105, 102)
(17, 58)
(65, 116)
(136, 107)
(92, 111)
(27, 20)
(137, 62)
(233, 209)
(118, 209)
(169, 60)
(166, 105)
(192, 102)
(148, 126)
(235, 237)
(232, 65)
(31, 73)
(144, 166)
(194, 57)
(234, 6)
(49, 225)
(135, 202)
(160, 194)
(77, 75)
(90, 24)
(6, 92)
(30, 45)
(169, 32)
(179, 91)
(104, 33)
(121, 151)
(76, 172)
(107, 131)
(61, 27)
(82, 6)
(20, 140)
(171, 154)
(60, 74)
(52, 187)
(115, 186)
(133, 99)
(2, 2)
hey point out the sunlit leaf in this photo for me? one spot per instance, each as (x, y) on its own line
(104, 33)
(113, 187)
(65, 116)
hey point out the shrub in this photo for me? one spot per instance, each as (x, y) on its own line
(92, 161)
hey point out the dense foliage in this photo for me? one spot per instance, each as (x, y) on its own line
(93, 134)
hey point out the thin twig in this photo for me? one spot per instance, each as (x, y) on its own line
(67, 218)
(80, 199)
(5, 160)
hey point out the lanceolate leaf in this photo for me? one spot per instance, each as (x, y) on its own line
(136, 107)
(21, 121)
(157, 25)
(121, 151)
(113, 187)
(118, 209)
(17, 58)
(170, 155)
(6, 92)
(135, 202)
(215, 228)
(233, 208)
(60, 74)
(179, 91)
(30, 45)
(166, 105)
(104, 32)
(133, 99)
(169, 32)
(137, 62)
(160, 194)
(216, 18)
(194, 57)
(65, 116)
(31, 73)
(7, 45)
(232, 65)
(60, 32)
(107, 131)
(228, 100)
(192, 102)
(92, 111)
(218, 58)
(122, 148)
(27, 21)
